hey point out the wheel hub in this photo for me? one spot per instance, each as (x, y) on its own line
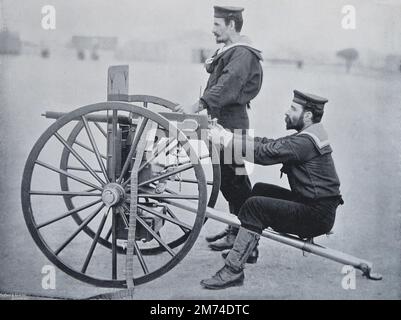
(112, 194)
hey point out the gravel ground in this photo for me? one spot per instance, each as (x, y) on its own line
(362, 118)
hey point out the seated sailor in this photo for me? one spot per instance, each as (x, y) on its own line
(308, 209)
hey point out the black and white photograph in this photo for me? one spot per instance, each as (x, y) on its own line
(214, 150)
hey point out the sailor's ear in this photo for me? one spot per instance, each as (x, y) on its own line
(308, 115)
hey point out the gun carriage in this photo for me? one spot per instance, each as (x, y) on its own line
(116, 193)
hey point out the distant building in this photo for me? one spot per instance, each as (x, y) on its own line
(92, 45)
(10, 42)
(88, 43)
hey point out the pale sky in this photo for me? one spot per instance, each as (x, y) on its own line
(288, 25)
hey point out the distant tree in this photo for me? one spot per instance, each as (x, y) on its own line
(45, 53)
(81, 54)
(350, 55)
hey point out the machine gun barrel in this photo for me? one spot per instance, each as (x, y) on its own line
(190, 124)
(94, 117)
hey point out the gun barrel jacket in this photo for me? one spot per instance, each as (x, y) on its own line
(235, 79)
(306, 158)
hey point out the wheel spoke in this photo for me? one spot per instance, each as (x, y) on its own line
(140, 258)
(68, 213)
(87, 190)
(134, 145)
(172, 220)
(155, 236)
(100, 129)
(94, 242)
(64, 193)
(79, 158)
(95, 148)
(108, 234)
(166, 175)
(171, 213)
(81, 169)
(80, 228)
(156, 151)
(82, 145)
(50, 167)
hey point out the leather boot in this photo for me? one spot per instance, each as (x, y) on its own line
(232, 274)
(218, 236)
(227, 242)
(253, 257)
(225, 232)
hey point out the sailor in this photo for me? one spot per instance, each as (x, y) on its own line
(235, 79)
(308, 209)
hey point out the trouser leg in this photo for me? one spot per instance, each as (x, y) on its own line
(306, 221)
(236, 189)
(235, 185)
(272, 191)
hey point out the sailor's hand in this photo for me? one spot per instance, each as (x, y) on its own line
(218, 135)
(179, 108)
(188, 109)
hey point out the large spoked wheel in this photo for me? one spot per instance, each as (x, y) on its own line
(107, 183)
(213, 176)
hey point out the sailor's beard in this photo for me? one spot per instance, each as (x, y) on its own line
(298, 125)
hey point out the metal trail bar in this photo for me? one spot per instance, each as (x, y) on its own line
(334, 255)
(169, 196)
(209, 183)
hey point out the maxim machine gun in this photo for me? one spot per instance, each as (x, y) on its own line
(116, 193)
